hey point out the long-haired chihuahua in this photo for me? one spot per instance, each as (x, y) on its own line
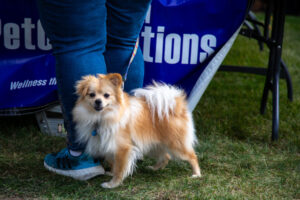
(153, 121)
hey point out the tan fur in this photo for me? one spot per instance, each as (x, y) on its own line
(160, 138)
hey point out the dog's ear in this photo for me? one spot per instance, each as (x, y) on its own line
(101, 76)
(82, 86)
(115, 79)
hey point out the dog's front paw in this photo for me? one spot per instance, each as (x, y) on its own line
(109, 185)
(196, 176)
(106, 185)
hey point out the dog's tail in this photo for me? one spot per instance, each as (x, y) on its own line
(160, 97)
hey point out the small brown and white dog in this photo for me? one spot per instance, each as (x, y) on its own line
(154, 121)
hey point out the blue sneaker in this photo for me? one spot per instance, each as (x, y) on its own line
(81, 168)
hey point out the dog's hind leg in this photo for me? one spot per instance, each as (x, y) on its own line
(188, 154)
(162, 161)
(193, 160)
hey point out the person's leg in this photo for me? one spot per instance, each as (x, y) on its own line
(124, 22)
(77, 32)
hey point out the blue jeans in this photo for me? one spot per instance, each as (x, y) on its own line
(91, 37)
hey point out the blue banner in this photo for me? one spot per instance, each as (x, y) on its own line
(178, 40)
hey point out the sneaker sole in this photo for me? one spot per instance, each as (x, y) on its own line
(79, 174)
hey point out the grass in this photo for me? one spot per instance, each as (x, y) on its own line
(236, 156)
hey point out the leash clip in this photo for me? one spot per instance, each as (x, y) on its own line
(94, 132)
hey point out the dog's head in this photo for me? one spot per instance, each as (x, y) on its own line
(100, 92)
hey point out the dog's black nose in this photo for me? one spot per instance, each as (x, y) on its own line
(98, 102)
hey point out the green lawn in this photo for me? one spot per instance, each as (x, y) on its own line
(236, 156)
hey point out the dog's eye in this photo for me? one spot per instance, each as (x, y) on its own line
(92, 95)
(106, 95)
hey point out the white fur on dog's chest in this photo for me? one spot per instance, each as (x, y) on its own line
(104, 142)
(106, 139)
